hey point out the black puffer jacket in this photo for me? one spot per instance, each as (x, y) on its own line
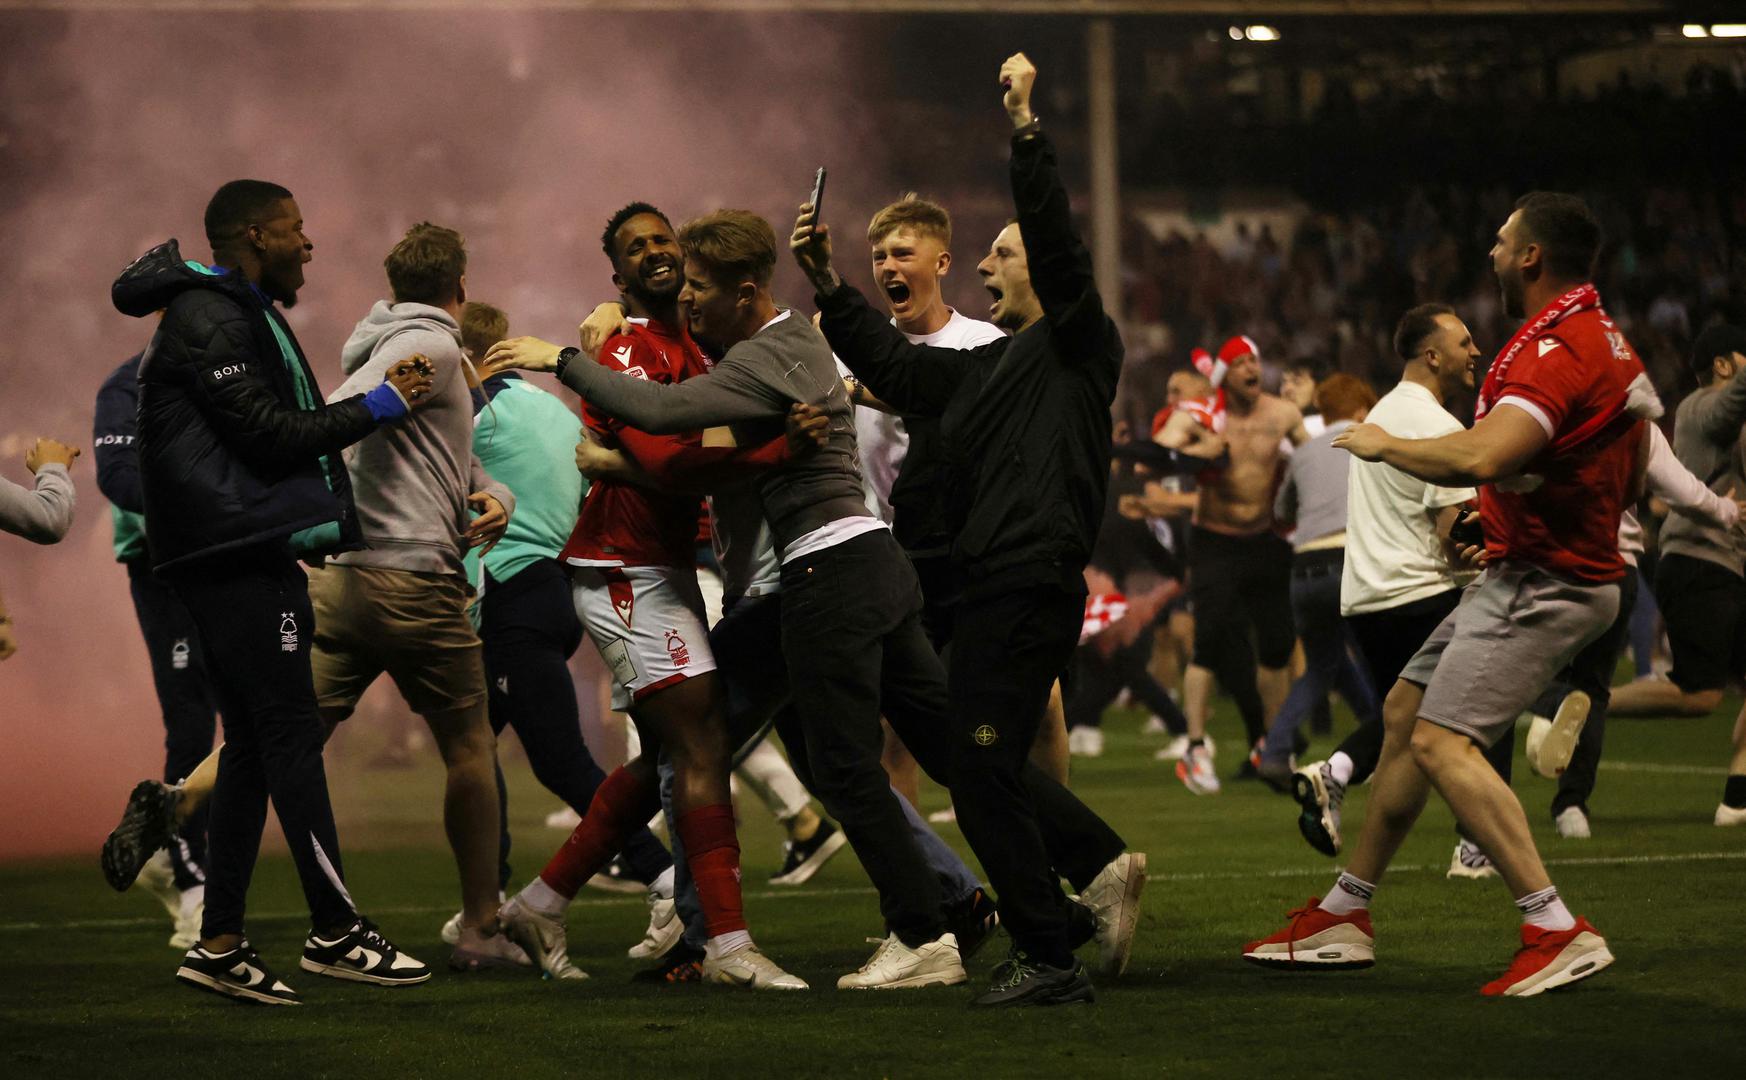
(230, 453)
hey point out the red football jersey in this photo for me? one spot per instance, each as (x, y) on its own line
(622, 524)
(1562, 513)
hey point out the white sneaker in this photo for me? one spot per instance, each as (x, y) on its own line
(1470, 862)
(1726, 815)
(896, 966)
(1195, 770)
(158, 877)
(751, 969)
(1552, 742)
(947, 816)
(665, 929)
(1114, 897)
(545, 938)
(1177, 747)
(1085, 741)
(563, 818)
(1154, 726)
(1572, 823)
(451, 934)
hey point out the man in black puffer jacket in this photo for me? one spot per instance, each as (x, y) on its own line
(240, 475)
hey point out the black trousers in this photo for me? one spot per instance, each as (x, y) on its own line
(854, 646)
(1008, 650)
(1097, 679)
(529, 628)
(185, 699)
(1592, 673)
(1388, 639)
(251, 609)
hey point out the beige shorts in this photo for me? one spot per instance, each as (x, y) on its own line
(414, 626)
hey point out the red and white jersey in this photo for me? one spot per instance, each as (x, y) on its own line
(622, 524)
(1562, 513)
(1208, 412)
(1102, 610)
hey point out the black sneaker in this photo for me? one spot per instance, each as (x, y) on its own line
(237, 974)
(362, 954)
(617, 878)
(682, 964)
(974, 920)
(146, 825)
(802, 860)
(1019, 980)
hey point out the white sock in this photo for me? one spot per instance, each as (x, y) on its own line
(1340, 768)
(192, 897)
(1545, 910)
(1349, 894)
(731, 942)
(543, 898)
(663, 885)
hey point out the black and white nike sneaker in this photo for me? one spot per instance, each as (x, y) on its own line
(363, 955)
(238, 974)
(146, 825)
(803, 859)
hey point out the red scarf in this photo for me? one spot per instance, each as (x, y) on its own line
(1582, 298)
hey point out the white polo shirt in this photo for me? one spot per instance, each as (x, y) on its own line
(1393, 556)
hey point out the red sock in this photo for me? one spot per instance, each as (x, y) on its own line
(621, 804)
(712, 851)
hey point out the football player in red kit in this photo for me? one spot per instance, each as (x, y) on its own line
(633, 559)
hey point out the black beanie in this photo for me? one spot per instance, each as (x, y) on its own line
(1719, 340)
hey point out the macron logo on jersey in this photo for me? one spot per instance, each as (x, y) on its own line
(1547, 345)
(623, 355)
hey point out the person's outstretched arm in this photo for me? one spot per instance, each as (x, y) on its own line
(42, 514)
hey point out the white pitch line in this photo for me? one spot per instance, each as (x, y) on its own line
(1650, 767)
(812, 894)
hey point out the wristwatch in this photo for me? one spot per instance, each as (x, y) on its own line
(1031, 129)
(565, 355)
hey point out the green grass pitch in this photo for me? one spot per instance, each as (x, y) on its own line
(88, 988)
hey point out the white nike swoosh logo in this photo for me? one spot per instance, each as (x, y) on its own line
(364, 958)
(252, 976)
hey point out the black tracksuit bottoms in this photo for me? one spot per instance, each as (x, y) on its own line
(530, 630)
(190, 720)
(251, 609)
(853, 640)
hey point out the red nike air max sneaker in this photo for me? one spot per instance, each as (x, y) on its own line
(1317, 939)
(1549, 959)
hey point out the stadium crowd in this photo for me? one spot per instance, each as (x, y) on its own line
(899, 537)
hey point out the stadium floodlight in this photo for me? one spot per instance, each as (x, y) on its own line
(1728, 30)
(1263, 33)
(1693, 30)
(1237, 33)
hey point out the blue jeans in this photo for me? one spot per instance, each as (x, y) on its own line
(1330, 652)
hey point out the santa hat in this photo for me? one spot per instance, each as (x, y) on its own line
(1213, 368)
(1239, 346)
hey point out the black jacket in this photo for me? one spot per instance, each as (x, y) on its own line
(228, 454)
(1024, 422)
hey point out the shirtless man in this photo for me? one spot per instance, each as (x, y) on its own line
(1239, 571)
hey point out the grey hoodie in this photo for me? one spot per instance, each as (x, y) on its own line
(1709, 437)
(411, 480)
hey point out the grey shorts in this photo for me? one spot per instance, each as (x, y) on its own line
(1516, 628)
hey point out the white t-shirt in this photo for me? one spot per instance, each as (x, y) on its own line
(880, 440)
(1393, 556)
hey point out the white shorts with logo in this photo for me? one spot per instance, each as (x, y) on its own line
(647, 622)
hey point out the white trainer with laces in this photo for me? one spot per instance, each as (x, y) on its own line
(751, 969)
(1727, 815)
(564, 818)
(665, 929)
(1114, 897)
(543, 937)
(896, 966)
(1085, 741)
(1195, 770)
(1572, 823)
(1470, 862)
(1178, 746)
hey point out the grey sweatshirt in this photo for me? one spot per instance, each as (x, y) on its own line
(751, 389)
(411, 480)
(42, 514)
(1314, 491)
(1707, 439)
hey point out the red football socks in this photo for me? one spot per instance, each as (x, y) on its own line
(620, 806)
(713, 853)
